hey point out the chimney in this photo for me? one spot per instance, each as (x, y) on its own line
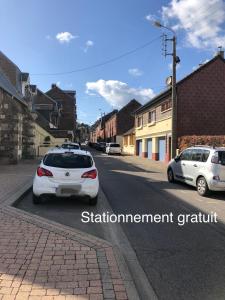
(220, 51)
(53, 85)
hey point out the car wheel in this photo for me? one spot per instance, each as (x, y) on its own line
(202, 187)
(170, 175)
(93, 201)
(36, 199)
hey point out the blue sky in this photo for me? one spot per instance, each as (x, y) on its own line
(56, 36)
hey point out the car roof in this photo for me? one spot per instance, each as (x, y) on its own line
(207, 147)
(70, 143)
(75, 151)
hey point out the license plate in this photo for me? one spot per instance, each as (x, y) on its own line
(68, 191)
(61, 191)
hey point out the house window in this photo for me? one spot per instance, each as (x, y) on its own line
(151, 116)
(139, 121)
(132, 139)
(126, 140)
(166, 106)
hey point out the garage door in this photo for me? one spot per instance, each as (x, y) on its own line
(149, 148)
(139, 147)
(162, 148)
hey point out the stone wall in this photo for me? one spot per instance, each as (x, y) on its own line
(16, 128)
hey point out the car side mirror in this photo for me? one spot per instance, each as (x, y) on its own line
(177, 158)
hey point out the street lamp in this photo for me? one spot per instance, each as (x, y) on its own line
(174, 96)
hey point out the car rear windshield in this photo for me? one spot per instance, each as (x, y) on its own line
(221, 157)
(68, 161)
(115, 145)
(69, 146)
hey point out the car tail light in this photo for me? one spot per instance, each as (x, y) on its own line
(90, 174)
(43, 172)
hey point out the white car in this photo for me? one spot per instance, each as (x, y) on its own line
(113, 148)
(70, 145)
(200, 166)
(65, 173)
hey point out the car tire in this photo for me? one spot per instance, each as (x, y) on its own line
(202, 187)
(170, 176)
(36, 199)
(93, 201)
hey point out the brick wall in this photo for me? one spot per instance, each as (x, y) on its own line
(191, 140)
(111, 128)
(67, 121)
(125, 117)
(201, 101)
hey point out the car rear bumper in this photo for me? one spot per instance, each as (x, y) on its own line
(217, 185)
(88, 188)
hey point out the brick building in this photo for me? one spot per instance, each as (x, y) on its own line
(98, 129)
(47, 108)
(120, 122)
(66, 102)
(200, 113)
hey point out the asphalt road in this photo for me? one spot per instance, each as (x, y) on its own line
(181, 262)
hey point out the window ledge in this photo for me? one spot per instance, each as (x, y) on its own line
(151, 124)
(162, 112)
(140, 127)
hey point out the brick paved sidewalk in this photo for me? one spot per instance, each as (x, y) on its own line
(40, 261)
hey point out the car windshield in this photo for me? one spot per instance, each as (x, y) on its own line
(70, 146)
(221, 157)
(68, 160)
(115, 145)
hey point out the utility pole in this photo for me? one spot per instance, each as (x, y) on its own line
(175, 60)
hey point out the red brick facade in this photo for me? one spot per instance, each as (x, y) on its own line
(67, 102)
(121, 122)
(201, 103)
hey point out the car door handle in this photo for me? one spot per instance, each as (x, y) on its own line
(195, 165)
(183, 164)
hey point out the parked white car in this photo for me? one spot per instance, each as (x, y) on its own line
(199, 166)
(65, 173)
(113, 148)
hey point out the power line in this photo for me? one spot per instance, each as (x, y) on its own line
(102, 63)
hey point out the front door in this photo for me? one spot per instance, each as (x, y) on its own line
(149, 148)
(162, 148)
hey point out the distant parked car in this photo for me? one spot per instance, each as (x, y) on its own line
(199, 166)
(68, 145)
(102, 146)
(97, 146)
(113, 148)
(65, 173)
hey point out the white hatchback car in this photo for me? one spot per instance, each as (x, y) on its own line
(113, 148)
(200, 166)
(66, 173)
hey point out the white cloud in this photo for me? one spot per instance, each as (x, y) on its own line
(88, 45)
(118, 93)
(65, 37)
(135, 72)
(150, 18)
(202, 21)
(58, 83)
